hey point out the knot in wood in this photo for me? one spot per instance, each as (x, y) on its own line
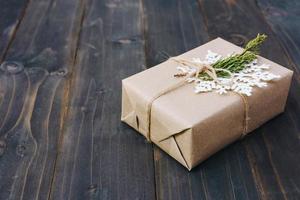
(92, 188)
(21, 150)
(12, 67)
(60, 72)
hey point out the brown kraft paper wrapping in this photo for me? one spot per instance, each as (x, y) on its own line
(188, 126)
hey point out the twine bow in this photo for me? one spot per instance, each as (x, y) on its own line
(200, 67)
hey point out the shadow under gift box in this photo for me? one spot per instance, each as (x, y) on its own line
(191, 127)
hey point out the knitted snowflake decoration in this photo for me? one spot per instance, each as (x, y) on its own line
(254, 75)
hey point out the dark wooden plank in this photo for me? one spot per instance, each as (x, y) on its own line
(172, 27)
(11, 14)
(35, 100)
(283, 17)
(101, 158)
(257, 167)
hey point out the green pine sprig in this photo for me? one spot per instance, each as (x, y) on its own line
(237, 62)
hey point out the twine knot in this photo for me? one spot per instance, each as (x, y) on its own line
(200, 68)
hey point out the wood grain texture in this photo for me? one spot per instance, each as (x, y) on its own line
(33, 107)
(11, 15)
(101, 158)
(255, 167)
(60, 130)
(283, 18)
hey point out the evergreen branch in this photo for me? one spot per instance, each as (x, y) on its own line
(237, 62)
(253, 45)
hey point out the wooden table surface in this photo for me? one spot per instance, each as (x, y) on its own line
(60, 130)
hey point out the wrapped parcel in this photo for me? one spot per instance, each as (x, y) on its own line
(191, 126)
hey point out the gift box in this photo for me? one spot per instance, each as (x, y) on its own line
(192, 121)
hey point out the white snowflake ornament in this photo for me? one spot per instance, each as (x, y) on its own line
(254, 75)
